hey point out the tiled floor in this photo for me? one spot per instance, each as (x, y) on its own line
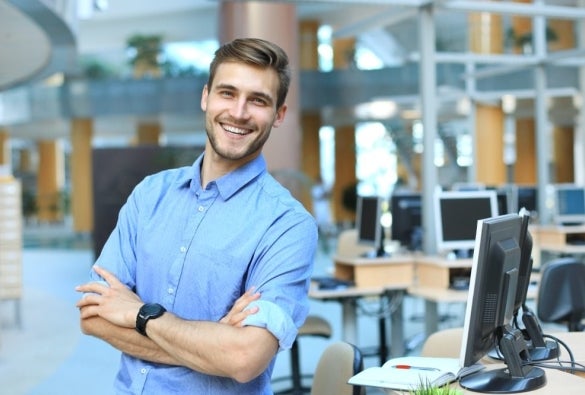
(48, 354)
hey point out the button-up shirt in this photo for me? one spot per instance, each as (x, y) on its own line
(195, 250)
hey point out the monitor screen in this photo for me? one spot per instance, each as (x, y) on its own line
(406, 209)
(527, 198)
(457, 213)
(490, 308)
(569, 204)
(369, 211)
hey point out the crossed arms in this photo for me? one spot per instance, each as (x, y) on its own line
(225, 348)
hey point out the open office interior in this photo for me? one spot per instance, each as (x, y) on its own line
(416, 103)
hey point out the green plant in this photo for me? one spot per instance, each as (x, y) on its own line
(426, 388)
(145, 49)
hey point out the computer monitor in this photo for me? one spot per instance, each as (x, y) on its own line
(370, 230)
(526, 196)
(569, 203)
(490, 308)
(406, 209)
(538, 348)
(456, 216)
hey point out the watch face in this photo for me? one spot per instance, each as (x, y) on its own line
(150, 309)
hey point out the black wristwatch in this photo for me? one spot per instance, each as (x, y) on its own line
(148, 311)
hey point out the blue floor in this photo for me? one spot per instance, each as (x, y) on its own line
(48, 354)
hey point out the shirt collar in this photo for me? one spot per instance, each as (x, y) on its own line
(230, 183)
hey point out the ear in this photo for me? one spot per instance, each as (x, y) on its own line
(279, 118)
(204, 95)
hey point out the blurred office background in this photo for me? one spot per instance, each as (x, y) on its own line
(387, 95)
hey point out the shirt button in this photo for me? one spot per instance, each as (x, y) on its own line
(143, 370)
(170, 291)
(183, 249)
(201, 208)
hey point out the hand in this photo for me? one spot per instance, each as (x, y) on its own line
(238, 312)
(114, 302)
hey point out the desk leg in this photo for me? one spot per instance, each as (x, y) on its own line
(431, 317)
(397, 325)
(349, 318)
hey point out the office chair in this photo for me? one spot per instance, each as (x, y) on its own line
(313, 326)
(339, 362)
(445, 343)
(561, 294)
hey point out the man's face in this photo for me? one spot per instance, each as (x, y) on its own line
(240, 110)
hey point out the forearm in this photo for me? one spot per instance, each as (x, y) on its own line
(241, 353)
(126, 340)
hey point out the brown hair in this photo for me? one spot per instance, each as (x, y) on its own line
(255, 52)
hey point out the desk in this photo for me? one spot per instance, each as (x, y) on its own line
(556, 239)
(348, 299)
(432, 285)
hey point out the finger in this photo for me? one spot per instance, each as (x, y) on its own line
(110, 278)
(95, 287)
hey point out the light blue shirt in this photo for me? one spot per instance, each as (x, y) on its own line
(195, 251)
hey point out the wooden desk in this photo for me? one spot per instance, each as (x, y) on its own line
(395, 270)
(348, 299)
(556, 239)
(433, 275)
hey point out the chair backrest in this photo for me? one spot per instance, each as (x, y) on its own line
(339, 362)
(445, 343)
(347, 244)
(561, 293)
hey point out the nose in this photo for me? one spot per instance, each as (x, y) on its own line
(239, 109)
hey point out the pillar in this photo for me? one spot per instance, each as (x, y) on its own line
(5, 158)
(310, 119)
(81, 175)
(148, 132)
(50, 181)
(345, 146)
(485, 38)
(525, 168)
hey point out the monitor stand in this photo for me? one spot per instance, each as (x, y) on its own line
(538, 348)
(515, 377)
(380, 250)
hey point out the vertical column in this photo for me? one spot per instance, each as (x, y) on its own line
(563, 154)
(525, 168)
(50, 180)
(81, 175)
(277, 22)
(345, 145)
(310, 120)
(5, 158)
(486, 37)
(148, 132)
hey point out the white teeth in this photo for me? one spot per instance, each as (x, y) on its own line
(232, 129)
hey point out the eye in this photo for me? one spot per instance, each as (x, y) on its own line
(259, 101)
(225, 93)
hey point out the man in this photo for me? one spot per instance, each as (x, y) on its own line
(190, 241)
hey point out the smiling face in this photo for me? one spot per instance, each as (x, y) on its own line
(240, 109)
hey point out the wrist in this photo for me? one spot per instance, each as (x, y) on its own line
(147, 312)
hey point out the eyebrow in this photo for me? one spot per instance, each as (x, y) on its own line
(230, 87)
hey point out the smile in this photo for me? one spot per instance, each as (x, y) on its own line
(235, 130)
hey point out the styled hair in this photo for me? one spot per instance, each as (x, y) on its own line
(255, 52)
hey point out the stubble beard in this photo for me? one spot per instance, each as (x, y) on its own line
(234, 155)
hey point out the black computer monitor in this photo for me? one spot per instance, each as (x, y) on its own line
(490, 308)
(406, 209)
(569, 202)
(527, 198)
(370, 230)
(456, 216)
(538, 348)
